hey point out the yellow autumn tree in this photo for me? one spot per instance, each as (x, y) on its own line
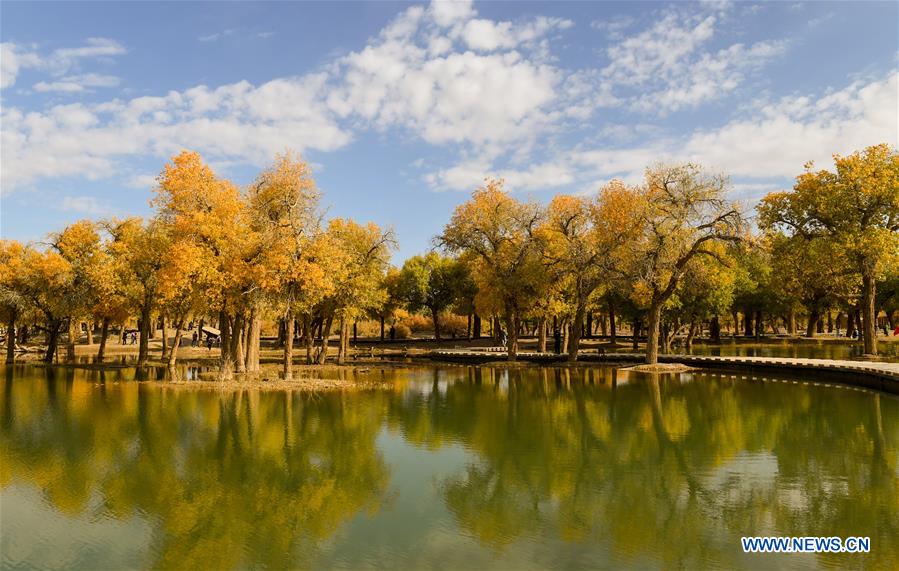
(579, 238)
(12, 301)
(856, 208)
(297, 260)
(207, 215)
(681, 212)
(496, 232)
(364, 251)
(138, 250)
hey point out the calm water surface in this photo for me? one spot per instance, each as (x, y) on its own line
(446, 468)
(888, 351)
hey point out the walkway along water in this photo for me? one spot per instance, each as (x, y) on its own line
(872, 375)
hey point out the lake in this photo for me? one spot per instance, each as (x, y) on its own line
(445, 467)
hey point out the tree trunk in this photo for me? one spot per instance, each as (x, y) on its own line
(73, 336)
(652, 333)
(326, 332)
(382, 329)
(541, 335)
(287, 362)
(341, 345)
(635, 336)
(747, 323)
(477, 326)
(691, 333)
(574, 341)
(165, 339)
(143, 352)
(715, 329)
(829, 321)
(253, 338)
(104, 335)
(310, 338)
(791, 323)
(468, 328)
(869, 314)
(589, 327)
(179, 332)
(226, 364)
(281, 329)
(237, 344)
(759, 325)
(669, 331)
(436, 319)
(53, 327)
(612, 330)
(11, 338)
(736, 317)
(511, 320)
(812, 327)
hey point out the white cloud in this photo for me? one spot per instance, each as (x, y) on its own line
(667, 66)
(468, 175)
(613, 26)
(448, 12)
(815, 22)
(410, 76)
(94, 48)
(85, 205)
(779, 140)
(14, 58)
(487, 91)
(767, 146)
(77, 83)
(143, 181)
(232, 122)
(215, 36)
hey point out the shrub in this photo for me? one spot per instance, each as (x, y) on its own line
(418, 323)
(452, 323)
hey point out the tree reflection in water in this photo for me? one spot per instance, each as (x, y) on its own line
(679, 467)
(229, 479)
(629, 469)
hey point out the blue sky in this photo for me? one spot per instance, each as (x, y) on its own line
(404, 108)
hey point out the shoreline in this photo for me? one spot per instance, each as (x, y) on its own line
(199, 365)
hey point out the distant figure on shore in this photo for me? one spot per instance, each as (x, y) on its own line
(134, 337)
(896, 331)
(124, 336)
(194, 339)
(503, 338)
(209, 343)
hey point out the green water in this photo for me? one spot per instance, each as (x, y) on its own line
(445, 468)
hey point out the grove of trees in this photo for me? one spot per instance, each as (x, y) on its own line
(671, 257)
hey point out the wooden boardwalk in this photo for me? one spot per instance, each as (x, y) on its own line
(875, 375)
